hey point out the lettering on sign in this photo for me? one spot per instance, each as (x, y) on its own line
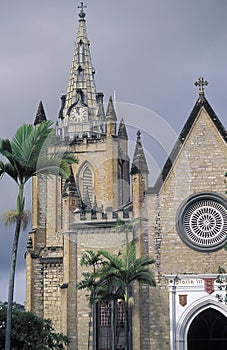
(190, 282)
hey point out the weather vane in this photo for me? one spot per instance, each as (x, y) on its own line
(82, 14)
(201, 83)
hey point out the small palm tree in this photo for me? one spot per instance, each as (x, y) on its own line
(127, 227)
(26, 156)
(93, 261)
(122, 270)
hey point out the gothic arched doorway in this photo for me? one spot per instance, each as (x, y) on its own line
(208, 331)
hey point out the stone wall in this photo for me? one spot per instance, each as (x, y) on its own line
(199, 167)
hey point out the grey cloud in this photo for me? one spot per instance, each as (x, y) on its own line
(150, 52)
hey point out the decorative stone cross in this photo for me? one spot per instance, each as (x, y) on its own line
(82, 14)
(201, 83)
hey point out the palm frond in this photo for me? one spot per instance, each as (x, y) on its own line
(57, 164)
(5, 148)
(11, 216)
(29, 141)
(90, 258)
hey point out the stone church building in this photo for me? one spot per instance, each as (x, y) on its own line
(183, 222)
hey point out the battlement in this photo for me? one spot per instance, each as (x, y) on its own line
(79, 139)
(101, 216)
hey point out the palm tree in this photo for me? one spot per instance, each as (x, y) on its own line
(92, 260)
(27, 155)
(101, 290)
(127, 227)
(122, 270)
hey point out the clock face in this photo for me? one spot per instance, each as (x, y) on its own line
(79, 114)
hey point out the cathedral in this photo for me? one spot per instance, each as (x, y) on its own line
(182, 223)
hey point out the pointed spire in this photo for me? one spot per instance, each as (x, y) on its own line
(122, 132)
(82, 72)
(40, 114)
(100, 112)
(139, 163)
(110, 113)
(70, 188)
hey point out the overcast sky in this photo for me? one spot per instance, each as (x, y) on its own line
(147, 53)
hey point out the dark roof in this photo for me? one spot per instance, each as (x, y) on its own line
(139, 163)
(40, 114)
(201, 102)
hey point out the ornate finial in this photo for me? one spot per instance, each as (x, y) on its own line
(138, 134)
(82, 14)
(201, 83)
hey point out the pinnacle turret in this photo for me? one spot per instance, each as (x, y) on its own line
(139, 163)
(122, 132)
(70, 188)
(110, 112)
(40, 114)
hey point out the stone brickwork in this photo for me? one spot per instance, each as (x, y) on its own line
(65, 233)
(52, 280)
(66, 221)
(199, 167)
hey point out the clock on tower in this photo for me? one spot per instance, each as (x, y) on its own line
(79, 114)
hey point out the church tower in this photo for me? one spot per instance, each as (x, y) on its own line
(98, 187)
(182, 223)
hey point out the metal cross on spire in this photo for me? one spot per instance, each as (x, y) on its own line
(201, 83)
(82, 14)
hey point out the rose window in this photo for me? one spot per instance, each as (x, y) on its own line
(202, 221)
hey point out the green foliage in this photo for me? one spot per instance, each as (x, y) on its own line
(30, 332)
(90, 258)
(123, 269)
(112, 274)
(126, 227)
(28, 154)
(222, 285)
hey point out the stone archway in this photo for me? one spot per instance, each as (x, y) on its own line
(208, 331)
(203, 322)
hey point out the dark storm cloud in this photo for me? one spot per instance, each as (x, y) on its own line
(149, 52)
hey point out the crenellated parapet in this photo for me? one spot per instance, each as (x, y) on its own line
(108, 216)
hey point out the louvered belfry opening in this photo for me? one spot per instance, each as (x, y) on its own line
(87, 183)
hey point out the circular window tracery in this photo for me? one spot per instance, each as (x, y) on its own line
(202, 221)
